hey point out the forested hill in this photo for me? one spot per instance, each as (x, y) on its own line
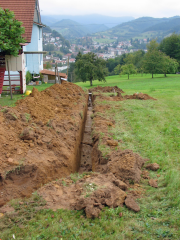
(71, 29)
(170, 24)
(145, 27)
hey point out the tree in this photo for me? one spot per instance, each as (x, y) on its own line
(171, 46)
(89, 67)
(153, 59)
(128, 69)
(170, 65)
(48, 47)
(117, 69)
(11, 33)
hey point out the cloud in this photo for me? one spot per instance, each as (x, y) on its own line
(138, 8)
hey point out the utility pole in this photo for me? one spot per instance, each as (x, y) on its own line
(67, 68)
(55, 72)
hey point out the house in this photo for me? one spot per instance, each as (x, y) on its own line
(49, 76)
(28, 12)
(52, 40)
(72, 60)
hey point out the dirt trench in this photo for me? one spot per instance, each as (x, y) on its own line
(60, 142)
(40, 139)
(87, 143)
(103, 181)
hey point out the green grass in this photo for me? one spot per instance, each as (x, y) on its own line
(150, 128)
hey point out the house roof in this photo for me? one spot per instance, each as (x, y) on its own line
(24, 11)
(52, 73)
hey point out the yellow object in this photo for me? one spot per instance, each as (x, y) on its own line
(28, 92)
(1, 215)
(45, 82)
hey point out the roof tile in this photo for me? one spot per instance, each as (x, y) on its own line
(24, 12)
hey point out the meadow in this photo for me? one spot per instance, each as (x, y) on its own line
(150, 128)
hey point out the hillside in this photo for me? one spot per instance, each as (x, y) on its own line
(71, 29)
(145, 27)
(87, 19)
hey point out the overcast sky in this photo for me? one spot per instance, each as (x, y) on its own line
(116, 8)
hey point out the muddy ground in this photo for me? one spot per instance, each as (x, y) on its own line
(45, 138)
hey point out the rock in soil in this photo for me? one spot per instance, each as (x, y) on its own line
(152, 166)
(131, 204)
(153, 183)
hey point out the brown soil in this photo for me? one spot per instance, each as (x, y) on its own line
(91, 193)
(40, 139)
(140, 96)
(87, 144)
(125, 165)
(152, 166)
(106, 89)
(153, 183)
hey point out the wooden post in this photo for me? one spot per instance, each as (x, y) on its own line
(55, 72)
(67, 68)
(58, 74)
(9, 79)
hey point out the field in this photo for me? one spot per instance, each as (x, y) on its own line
(149, 128)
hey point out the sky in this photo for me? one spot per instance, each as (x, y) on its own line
(116, 8)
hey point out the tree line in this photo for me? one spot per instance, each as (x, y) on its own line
(159, 58)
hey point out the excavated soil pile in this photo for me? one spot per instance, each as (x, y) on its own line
(40, 139)
(140, 96)
(91, 193)
(125, 165)
(106, 89)
(116, 94)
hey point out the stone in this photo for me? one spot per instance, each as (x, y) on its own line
(19, 151)
(46, 139)
(12, 162)
(31, 145)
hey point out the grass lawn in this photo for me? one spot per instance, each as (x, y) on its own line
(150, 128)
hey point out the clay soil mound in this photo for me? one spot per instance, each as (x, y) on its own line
(40, 139)
(106, 89)
(140, 96)
(126, 165)
(91, 193)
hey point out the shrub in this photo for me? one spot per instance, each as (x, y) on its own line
(28, 77)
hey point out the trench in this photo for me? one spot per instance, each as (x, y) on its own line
(23, 181)
(87, 143)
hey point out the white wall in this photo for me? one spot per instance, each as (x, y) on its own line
(34, 62)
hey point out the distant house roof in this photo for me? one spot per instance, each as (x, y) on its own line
(52, 73)
(24, 11)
